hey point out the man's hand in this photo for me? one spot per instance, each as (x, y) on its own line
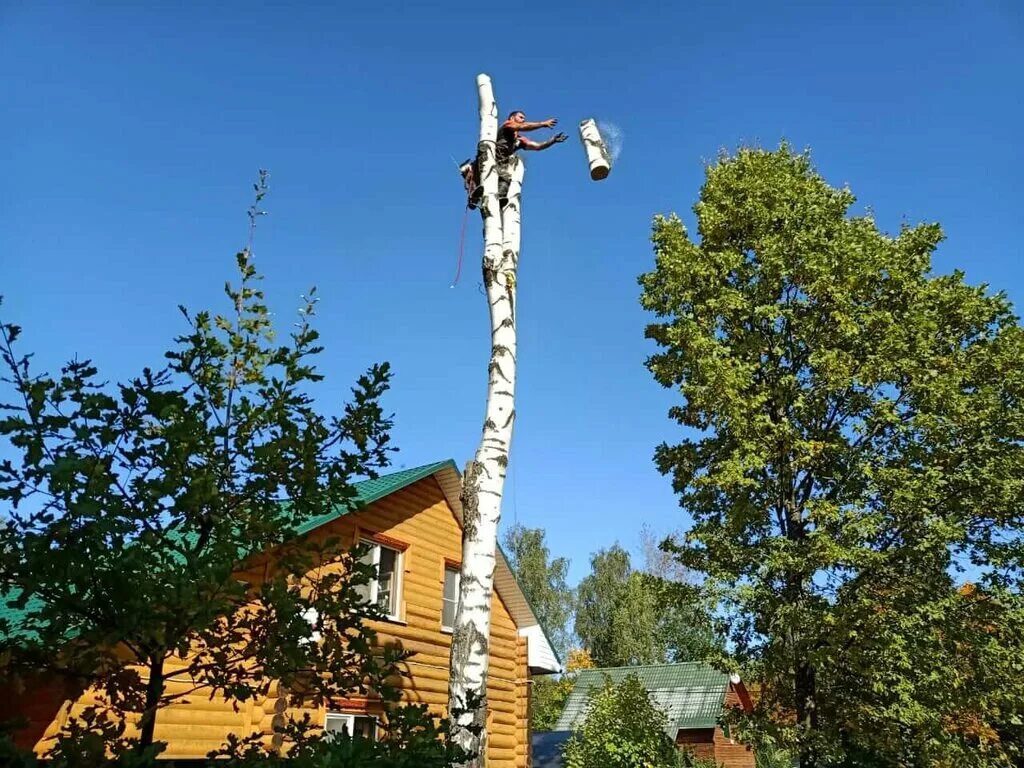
(551, 122)
(558, 138)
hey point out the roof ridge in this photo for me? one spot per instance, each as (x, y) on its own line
(652, 666)
(374, 489)
(411, 470)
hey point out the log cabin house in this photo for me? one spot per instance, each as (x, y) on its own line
(693, 697)
(411, 520)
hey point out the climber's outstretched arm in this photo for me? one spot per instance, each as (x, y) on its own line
(536, 146)
(521, 125)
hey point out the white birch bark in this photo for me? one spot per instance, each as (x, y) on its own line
(598, 158)
(484, 478)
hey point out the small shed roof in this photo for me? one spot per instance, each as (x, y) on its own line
(690, 694)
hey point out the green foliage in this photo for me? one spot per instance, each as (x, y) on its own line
(543, 581)
(689, 760)
(131, 510)
(596, 599)
(548, 695)
(626, 617)
(408, 737)
(853, 443)
(547, 700)
(411, 738)
(622, 729)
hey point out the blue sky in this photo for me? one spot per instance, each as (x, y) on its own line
(131, 134)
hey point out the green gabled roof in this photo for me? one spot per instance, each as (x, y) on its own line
(369, 491)
(691, 694)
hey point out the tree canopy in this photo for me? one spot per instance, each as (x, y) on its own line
(851, 456)
(136, 555)
(626, 616)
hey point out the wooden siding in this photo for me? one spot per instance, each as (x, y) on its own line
(40, 703)
(419, 518)
(729, 753)
(700, 742)
(713, 744)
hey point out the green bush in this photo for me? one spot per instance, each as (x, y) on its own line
(412, 738)
(622, 729)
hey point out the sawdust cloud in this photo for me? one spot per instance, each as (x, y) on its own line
(613, 137)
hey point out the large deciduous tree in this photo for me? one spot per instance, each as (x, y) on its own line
(853, 443)
(625, 616)
(597, 597)
(139, 518)
(543, 581)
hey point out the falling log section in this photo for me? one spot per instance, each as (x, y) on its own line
(598, 157)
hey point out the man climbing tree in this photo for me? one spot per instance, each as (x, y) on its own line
(484, 479)
(509, 140)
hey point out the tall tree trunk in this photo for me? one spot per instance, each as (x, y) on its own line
(154, 693)
(484, 479)
(806, 709)
(804, 677)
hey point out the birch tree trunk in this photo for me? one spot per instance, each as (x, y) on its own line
(484, 478)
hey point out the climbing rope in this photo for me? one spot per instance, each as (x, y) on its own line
(462, 246)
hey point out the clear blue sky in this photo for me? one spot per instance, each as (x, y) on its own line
(131, 133)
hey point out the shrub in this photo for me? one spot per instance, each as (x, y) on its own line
(622, 729)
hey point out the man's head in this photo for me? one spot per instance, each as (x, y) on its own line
(518, 115)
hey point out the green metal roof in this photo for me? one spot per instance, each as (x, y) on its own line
(369, 491)
(13, 616)
(691, 694)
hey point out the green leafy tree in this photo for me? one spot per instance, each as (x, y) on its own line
(543, 580)
(596, 599)
(548, 695)
(626, 617)
(135, 548)
(853, 441)
(622, 729)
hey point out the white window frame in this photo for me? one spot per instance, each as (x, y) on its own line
(349, 719)
(458, 583)
(396, 587)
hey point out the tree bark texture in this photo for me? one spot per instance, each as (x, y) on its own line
(484, 478)
(804, 677)
(154, 693)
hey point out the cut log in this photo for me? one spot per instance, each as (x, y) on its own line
(598, 157)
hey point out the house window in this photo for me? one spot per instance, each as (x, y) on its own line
(338, 723)
(450, 600)
(383, 591)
